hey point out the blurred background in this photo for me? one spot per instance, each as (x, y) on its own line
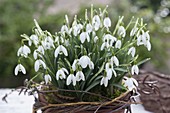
(16, 18)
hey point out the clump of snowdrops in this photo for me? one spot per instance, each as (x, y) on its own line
(85, 55)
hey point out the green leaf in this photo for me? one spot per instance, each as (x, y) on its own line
(143, 61)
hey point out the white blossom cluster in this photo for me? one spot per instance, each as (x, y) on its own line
(86, 51)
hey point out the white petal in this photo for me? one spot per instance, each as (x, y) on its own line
(89, 28)
(115, 60)
(136, 69)
(36, 65)
(107, 22)
(64, 70)
(57, 51)
(102, 46)
(134, 81)
(84, 61)
(148, 45)
(64, 50)
(105, 81)
(19, 51)
(82, 37)
(121, 31)
(22, 69)
(16, 69)
(118, 44)
(107, 66)
(43, 64)
(35, 55)
(109, 73)
(91, 65)
(69, 79)
(47, 78)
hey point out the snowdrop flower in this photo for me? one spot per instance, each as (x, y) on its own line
(38, 52)
(115, 60)
(33, 39)
(71, 78)
(121, 31)
(132, 51)
(130, 83)
(107, 22)
(135, 69)
(95, 39)
(89, 28)
(96, 22)
(23, 51)
(47, 78)
(20, 68)
(140, 39)
(39, 63)
(133, 31)
(110, 70)
(84, 61)
(104, 81)
(109, 37)
(59, 50)
(64, 29)
(84, 36)
(76, 29)
(61, 73)
(104, 45)
(80, 76)
(118, 44)
(48, 43)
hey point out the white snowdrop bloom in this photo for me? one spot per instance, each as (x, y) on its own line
(118, 44)
(23, 51)
(84, 61)
(107, 22)
(20, 68)
(140, 39)
(71, 78)
(61, 73)
(96, 22)
(48, 43)
(38, 52)
(64, 29)
(89, 28)
(115, 60)
(33, 39)
(121, 31)
(110, 70)
(84, 36)
(75, 62)
(109, 37)
(39, 63)
(59, 50)
(80, 76)
(104, 45)
(104, 81)
(130, 83)
(135, 70)
(95, 39)
(132, 51)
(133, 31)
(47, 78)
